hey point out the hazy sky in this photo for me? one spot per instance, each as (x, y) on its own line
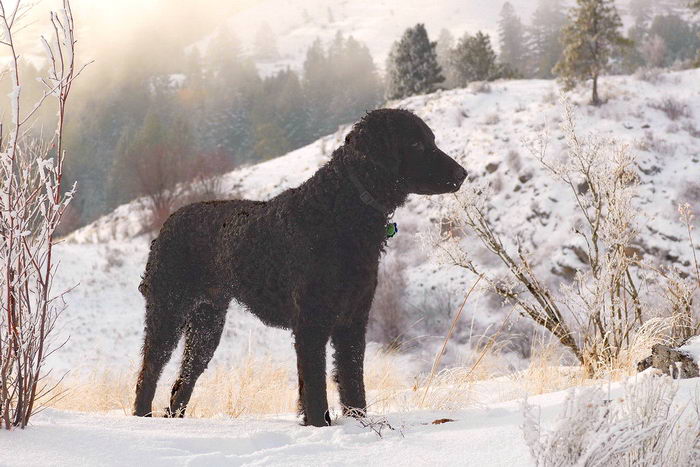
(110, 27)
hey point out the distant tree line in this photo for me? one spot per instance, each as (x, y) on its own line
(209, 112)
(575, 45)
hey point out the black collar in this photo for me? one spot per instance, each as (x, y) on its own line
(365, 195)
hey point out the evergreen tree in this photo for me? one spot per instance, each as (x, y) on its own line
(474, 59)
(589, 41)
(641, 12)
(223, 54)
(358, 86)
(340, 84)
(445, 44)
(680, 37)
(412, 66)
(511, 34)
(265, 45)
(318, 87)
(544, 38)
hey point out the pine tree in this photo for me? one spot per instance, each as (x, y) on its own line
(589, 41)
(265, 44)
(222, 55)
(474, 59)
(681, 37)
(412, 66)
(544, 38)
(445, 44)
(511, 34)
(318, 88)
(358, 86)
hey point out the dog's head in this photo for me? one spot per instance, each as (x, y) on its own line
(402, 144)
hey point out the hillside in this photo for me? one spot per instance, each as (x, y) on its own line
(482, 130)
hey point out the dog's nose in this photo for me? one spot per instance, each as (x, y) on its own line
(460, 174)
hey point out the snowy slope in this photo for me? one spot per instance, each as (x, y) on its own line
(481, 130)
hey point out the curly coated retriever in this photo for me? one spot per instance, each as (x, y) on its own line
(306, 260)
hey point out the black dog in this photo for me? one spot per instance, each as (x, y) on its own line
(305, 260)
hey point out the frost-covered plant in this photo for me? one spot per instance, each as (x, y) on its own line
(32, 202)
(644, 427)
(598, 315)
(673, 108)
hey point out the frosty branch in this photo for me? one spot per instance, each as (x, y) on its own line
(32, 202)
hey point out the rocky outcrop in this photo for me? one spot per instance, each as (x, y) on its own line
(675, 362)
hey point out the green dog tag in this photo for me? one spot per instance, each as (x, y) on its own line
(392, 229)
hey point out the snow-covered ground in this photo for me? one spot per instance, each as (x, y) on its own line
(479, 436)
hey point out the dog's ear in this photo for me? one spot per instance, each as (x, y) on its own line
(376, 136)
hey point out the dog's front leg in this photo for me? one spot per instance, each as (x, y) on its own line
(349, 356)
(310, 346)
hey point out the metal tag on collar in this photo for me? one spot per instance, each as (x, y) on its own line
(366, 197)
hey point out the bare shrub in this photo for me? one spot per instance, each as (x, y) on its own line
(654, 51)
(690, 128)
(643, 427)
(113, 259)
(169, 183)
(435, 310)
(390, 312)
(378, 425)
(480, 87)
(32, 203)
(650, 75)
(514, 161)
(492, 119)
(658, 145)
(598, 315)
(550, 98)
(673, 108)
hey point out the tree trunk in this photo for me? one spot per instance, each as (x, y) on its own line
(595, 100)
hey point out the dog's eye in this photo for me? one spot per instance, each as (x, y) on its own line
(417, 145)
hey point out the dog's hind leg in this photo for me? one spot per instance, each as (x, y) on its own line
(161, 334)
(202, 337)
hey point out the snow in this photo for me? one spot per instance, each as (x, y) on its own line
(478, 436)
(692, 348)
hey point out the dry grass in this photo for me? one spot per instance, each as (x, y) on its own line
(257, 386)
(263, 386)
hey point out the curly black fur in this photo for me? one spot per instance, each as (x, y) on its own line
(306, 260)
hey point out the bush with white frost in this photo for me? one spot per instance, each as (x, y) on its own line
(645, 426)
(601, 315)
(32, 203)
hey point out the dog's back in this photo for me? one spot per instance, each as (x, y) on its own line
(187, 251)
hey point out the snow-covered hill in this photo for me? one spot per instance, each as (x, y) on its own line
(482, 130)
